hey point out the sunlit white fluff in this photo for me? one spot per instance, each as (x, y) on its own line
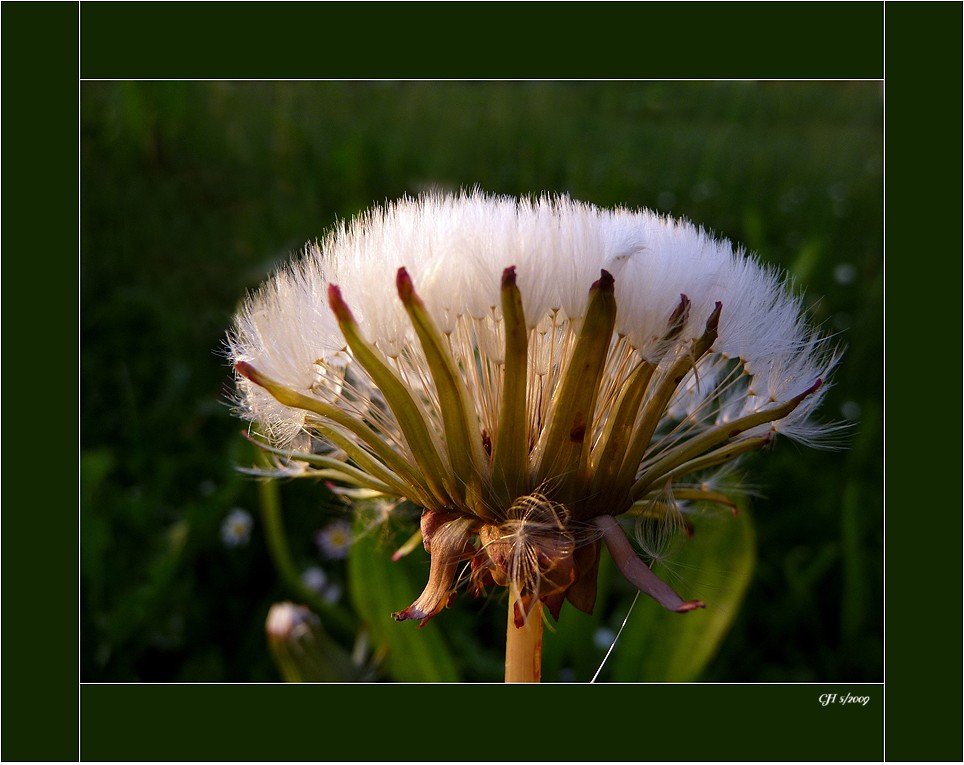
(456, 248)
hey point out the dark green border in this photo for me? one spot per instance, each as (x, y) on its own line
(40, 410)
(426, 723)
(487, 723)
(923, 241)
(482, 40)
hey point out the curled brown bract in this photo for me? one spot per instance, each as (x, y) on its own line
(447, 538)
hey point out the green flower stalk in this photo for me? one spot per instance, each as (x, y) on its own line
(527, 372)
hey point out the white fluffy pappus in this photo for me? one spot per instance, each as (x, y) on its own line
(456, 248)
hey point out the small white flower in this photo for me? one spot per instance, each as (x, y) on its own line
(335, 539)
(526, 371)
(236, 528)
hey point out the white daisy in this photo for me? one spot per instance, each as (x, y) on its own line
(236, 528)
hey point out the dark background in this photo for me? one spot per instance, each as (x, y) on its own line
(192, 192)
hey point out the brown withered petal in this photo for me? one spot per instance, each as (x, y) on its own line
(447, 537)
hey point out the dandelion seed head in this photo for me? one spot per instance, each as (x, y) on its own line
(478, 354)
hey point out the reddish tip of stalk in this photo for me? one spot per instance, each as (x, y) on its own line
(713, 322)
(247, 371)
(690, 605)
(255, 441)
(403, 283)
(508, 277)
(338, 305)
(678, 317)
(809, 391)
(605, 282)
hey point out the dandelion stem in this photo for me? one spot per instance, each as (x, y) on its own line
(510, 461)
(353, 425)
(346, 473)
(523, 645)
(610, 453)
(703, 495)
(716, 457)
(691, 449)
(400, 400)
(655, 407)
(459, 420)
(406, 482)
(619, 429)
(564, 445)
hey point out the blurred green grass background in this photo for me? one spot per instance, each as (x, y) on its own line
(191, 192)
